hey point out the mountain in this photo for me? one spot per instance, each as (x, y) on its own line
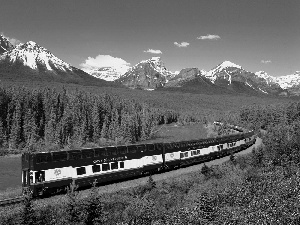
(235, 78)
(5, 45)
(183, 76)
(31, 61)
(192, 80)
(148, 74)
(105, 73)
(290, 82)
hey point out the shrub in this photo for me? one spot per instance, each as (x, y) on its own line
(28, 216)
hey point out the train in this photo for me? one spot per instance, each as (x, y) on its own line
(52, 172)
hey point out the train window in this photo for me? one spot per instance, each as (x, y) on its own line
(114, 165)
(141, 148)
(39, 176)
(176, 145)
(170, 146)
(132, 149)
(87, 153)
(195, 152)
(99, 151)
(122, 149)
(181, 155)
(192, 153)
(159, 146)
(60, 156)
(81, 170)
(218, 148)
(75, 155)
(96, 168)
(198, 152)
(43, 158)
(186, 154)
(105, 167)
(111, 150)
(121, 164)
(150, 147)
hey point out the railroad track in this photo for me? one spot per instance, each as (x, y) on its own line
(11, 201)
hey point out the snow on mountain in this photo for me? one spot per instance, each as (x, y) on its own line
(212, 74)
(269, 79)
(147, 74)
(289, 81)
(105, 73)
(33, 55)
(156, 64)
(5, 44)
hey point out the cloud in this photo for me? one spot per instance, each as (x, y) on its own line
(182, 44)
(13, 41)
(153, 51)
(120, 65)
(209, 37)
(266, 61)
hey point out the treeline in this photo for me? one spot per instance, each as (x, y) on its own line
(282, 125)
(51, 119)
(263, 116)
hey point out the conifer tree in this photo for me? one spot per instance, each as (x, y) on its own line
(28, 216)
(94, 207)
(2, 135)
(15, 132)
(50, 128)
(96, 121)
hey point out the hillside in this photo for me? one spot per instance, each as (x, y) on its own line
(30, 62)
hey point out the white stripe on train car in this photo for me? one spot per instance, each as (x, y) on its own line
(151, 160)
(172, 156)
(58, 173)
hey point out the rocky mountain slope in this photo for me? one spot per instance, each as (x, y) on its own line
(290, 83)
(31, 61)
(148, 74)
(5, 45)
(235, 78)
(227, 77)
(105, 73)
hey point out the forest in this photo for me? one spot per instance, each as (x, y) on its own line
(261, 187)
(49, 119)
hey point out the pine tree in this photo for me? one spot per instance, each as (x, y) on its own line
(96, 121)
(28, 215)
(94, 207)
(50, 128)
(15, 132)
(104, 130)
(30, 128)
(2, 135)
(72, 206)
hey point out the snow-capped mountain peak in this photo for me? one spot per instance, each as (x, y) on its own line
(223, 67)
(289, 81)
(105, 73)
(264, 75)
(33, 55)
(226, 64)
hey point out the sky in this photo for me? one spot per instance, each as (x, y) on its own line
(255, 34)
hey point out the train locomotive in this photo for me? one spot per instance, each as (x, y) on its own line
(51, 172)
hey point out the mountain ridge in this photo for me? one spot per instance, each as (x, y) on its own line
(30, 61)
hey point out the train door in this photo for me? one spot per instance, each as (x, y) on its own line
(25, 178)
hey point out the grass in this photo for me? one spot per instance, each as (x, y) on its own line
(11, 192)
(175, 132)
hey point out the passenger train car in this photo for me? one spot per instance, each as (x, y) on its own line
(50, 172)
